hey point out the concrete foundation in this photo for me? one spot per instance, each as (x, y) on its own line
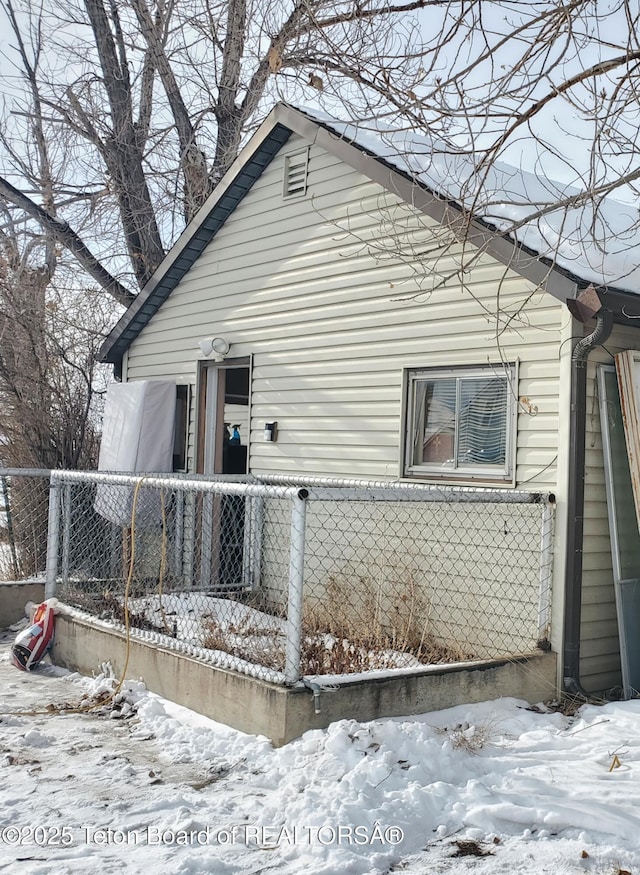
(280, 713)
(14, 595)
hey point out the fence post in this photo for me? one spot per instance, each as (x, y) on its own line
(546, 569)
(66, 533)
(53, 537)
(178, 546)
(296, 587)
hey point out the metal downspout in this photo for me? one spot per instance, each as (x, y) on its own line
(575, 508)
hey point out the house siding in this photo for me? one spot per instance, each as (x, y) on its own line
(315, 290)
(333, 295)
(600, 646)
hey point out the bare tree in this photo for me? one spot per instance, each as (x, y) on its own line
(153, 100)
(49, 383)
(46, 352)
(549, 87)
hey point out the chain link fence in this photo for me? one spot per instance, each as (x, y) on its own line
(283, 578)
(24, 507)
(184, 559)
(401, 575)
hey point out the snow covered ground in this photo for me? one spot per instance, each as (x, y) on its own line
(150, 787)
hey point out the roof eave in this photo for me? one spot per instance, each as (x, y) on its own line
(541, 272)
(235, 184)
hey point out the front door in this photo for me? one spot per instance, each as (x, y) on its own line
(223, 449)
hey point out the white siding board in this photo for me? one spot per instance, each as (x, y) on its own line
(345, 438)
(600, 679)
(293, 281)
(534, 440)
(299, 265)
(380, 288)
(366, 299)
(538, 479)
(354, 331)
(596, 592)
(368, 384)
(595, 613)
(597, 563)
(363, 355)
(356, 396)
(599, 643)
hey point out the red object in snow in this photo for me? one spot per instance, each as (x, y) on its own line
(32, 643)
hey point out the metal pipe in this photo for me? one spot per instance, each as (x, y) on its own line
(545, 573)
(26, 472)
(575, 501)
(66, 531)
(53, 537)
(421, 491)
(316, 690)
(166, 481)
(178, 546)
(296, 588)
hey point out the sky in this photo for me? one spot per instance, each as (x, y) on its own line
(144, 786)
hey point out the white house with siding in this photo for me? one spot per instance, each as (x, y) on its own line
(391, 338)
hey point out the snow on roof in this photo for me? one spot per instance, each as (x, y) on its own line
(597, 240)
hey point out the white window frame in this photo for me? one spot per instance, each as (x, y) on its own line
(458, 472)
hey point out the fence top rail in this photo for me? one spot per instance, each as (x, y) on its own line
(25, 472)
(436, 496)
(335, 487)
(297, 486)
(164, 481)
(174, 475)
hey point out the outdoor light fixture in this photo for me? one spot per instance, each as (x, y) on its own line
(271, 431)
(209, 345)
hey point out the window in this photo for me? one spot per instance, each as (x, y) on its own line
(459, 423)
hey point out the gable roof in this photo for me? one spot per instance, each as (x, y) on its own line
(546, 251)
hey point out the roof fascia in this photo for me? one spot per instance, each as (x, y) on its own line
(560, 283)
(110, 350)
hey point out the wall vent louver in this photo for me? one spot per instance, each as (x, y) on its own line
(296, 168)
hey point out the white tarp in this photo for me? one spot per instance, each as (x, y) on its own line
(137, 437)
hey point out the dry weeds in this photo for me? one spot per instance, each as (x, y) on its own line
(359, 625)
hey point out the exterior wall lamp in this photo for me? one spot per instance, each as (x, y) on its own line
(209, 345)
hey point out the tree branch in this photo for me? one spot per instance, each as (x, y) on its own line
(67, 237)
(193, 161)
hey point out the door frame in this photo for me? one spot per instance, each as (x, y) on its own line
(209, 434)
(208, 420)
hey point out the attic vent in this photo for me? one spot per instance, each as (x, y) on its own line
(296, 168)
